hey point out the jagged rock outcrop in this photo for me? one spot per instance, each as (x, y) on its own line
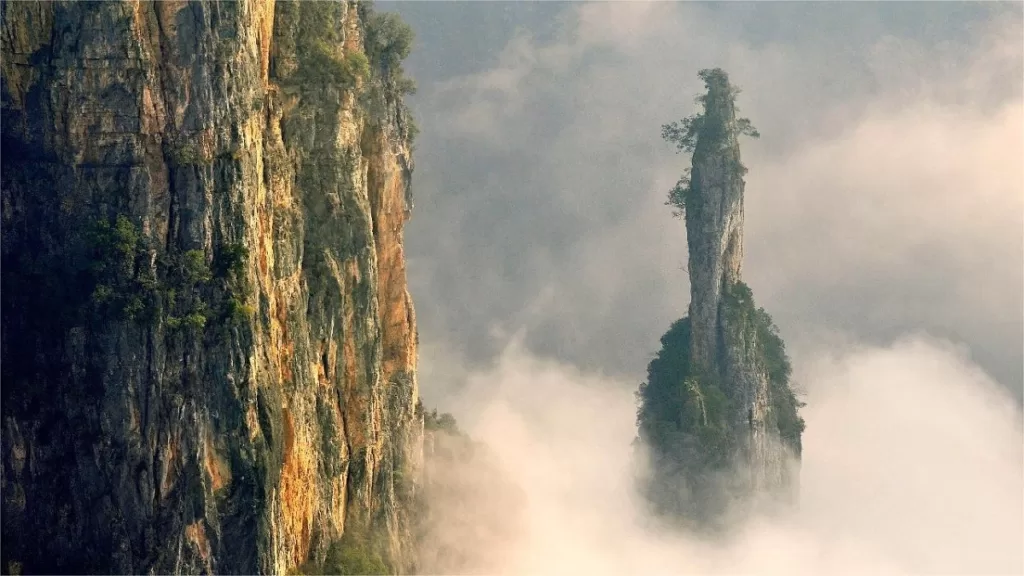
(208, 346)
(717, 412)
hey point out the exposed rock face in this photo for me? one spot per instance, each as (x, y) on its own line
(714, 233)
(208, 346)
(717, 411)
(714, 223)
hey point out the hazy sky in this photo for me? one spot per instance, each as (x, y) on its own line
(885, 196)
(884, 233)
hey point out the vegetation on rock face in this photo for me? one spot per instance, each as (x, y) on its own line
(322, 59)
(354, 554)
(375, 73)
(708, 128)
(432, 422)
(387, 41)
(684, 419)
(687, 420)
(130, 280)
(154, 400)
(760, 329)
(696, 422)
(325, 64)
(114, 251)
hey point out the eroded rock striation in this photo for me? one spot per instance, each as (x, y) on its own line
(208, 346)
(717, 411)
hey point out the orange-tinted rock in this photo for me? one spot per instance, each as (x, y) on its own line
(239, 423)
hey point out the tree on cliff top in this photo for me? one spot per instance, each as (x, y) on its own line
(714, 126)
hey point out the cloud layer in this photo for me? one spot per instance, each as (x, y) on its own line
(912, 465)
(885, 195)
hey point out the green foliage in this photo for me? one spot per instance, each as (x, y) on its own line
(405, 85)
(409, 123)
(758, 327)
(356, 65)
(322, 59)
(745, 128)
(353, 554)
(324, 64)
(194, 269)
(683, 133)
(189, 154)
(388, 39)
(195, 320)
(713, 124)
(230, 261)
(444, 422)
(238, 310)
(355, 560)
(133, 306)
(229, 269)
(707, 130)
(113, 250)
(683, 417)
(184, 290)
(126, 279)
(679, 194)
(113, 247)
(102, 294)
(688, 419)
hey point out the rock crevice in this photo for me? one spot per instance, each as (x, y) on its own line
(208, 344)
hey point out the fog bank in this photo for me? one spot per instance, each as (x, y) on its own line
(912, 464)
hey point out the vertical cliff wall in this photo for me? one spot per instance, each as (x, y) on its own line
(208, 345)
(717, 410)
(714, 221)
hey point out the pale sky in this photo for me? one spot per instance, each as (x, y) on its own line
(885, 196)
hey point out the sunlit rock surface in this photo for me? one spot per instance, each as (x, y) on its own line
(208, 346)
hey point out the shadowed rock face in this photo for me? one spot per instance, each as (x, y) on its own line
(208, 345)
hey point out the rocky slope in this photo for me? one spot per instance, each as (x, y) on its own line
(208, 345)
(717, 411)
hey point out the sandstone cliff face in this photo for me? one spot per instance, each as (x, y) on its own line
(717, 411)
(208, 345)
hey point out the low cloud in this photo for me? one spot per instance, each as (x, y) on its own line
(909, 220)
(912, 464)
(885, 196)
